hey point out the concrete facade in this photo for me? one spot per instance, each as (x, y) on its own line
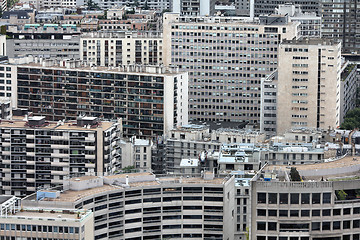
(226, 57)
(308, 84)
(115, 49)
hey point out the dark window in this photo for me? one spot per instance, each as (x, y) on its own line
(327, 198)
(261, 225)
(294, 198)
(305, 213)
(315, 226)
(294, 213)
(272, 213)
(356, 223)
(261, 198)
(347, 211)
(305, 198)
(261, 212)
(336, 225)
(326, 226)
(336, 212)
(346, 224)
(272, 226)
(283, 213)
(315, 213)
(326, 212)
(284, 198)
(272, 198)
(316, 198)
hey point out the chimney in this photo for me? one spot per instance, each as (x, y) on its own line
(127, 180)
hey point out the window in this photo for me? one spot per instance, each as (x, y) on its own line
(305, 213)
(272, 226)
(261, 198)
(261, 212)
(284, 198)
(272, 198)
(336, 225)
(305, 198)
(294, 198)
(261, 226)
(326, 198)
(316, 198)
(272, 213)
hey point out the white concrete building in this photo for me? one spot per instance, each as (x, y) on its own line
(143, 205)
(136, 153)
(309, 76)
(123, 48)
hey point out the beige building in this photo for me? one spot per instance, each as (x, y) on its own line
(115, 49)
(17, 222)
(145, 206)
(308, 84)
(226, 58)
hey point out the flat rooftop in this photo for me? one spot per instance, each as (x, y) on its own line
(74, 195)
(53, 125)
(30, 213)
(311, 41)
(344, 162)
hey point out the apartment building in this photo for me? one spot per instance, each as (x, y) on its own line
(47, 40)
(309, 84)
(268, 104)
(40, 154)
(310, 23)
(136, 153)
(8, 83)
(159, 5)
(139, 205)
(323, 205)
(5, 108)
(150, 100)
(264, 7)
(123, 48)
(340, 23)
(348, 88)
(226, 57)
(35, 223)
(194, 8)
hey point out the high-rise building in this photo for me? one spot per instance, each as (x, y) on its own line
(340, 21)
(308, 93)
(40, 154)
(226, 57)
(151, 100)
(122, 48)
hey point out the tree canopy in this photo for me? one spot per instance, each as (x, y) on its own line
(351, 120)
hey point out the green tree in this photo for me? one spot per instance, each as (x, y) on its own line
(91, 5)
(351, 120)
(341, 194)
(294, 174)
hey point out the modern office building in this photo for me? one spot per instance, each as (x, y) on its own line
(340, 22)
(151, 100)
(323, 205)
(39, 154)
(226, 57)
(122, 48)
(309, 76)
(142, 205)
(52, 223)
(47, 40)
(310, 23)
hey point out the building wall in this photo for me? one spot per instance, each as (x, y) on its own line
(225, 58)
(308, 85)
(140, 98)
(122, 49)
